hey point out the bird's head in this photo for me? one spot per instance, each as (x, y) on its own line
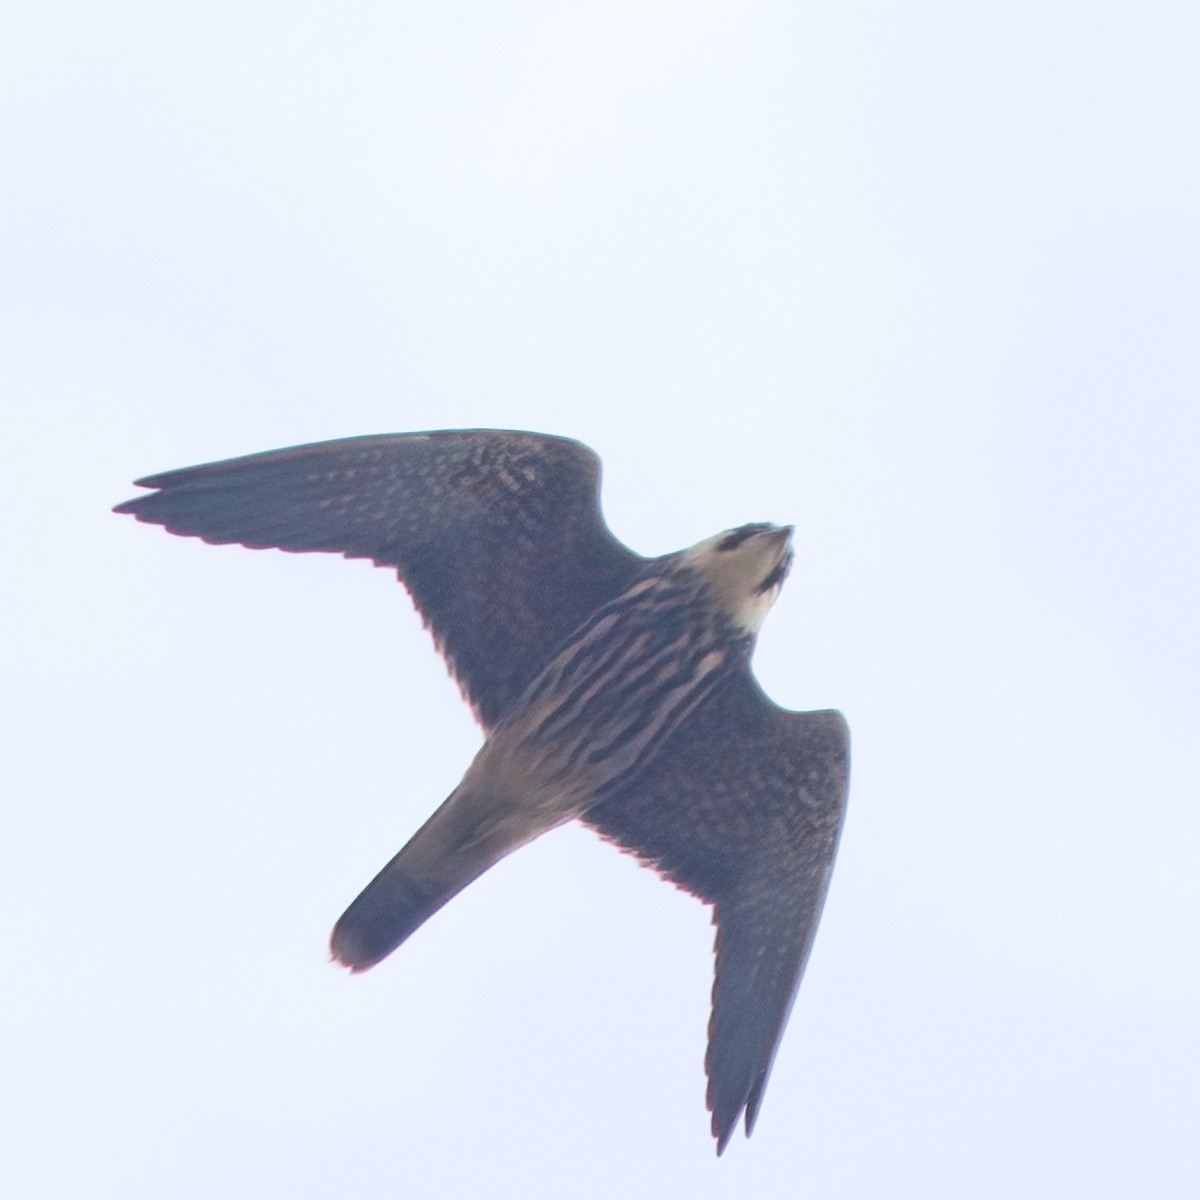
(744, 568)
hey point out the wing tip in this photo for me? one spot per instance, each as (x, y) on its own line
(129, 507)
(724, 1124)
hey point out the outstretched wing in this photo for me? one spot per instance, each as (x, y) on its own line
(743, 807)
(497, 535)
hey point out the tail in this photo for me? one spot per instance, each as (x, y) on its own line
(454, 847)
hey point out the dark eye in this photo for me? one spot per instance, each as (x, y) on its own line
(731, 541)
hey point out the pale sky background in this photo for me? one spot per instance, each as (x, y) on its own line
(921, 278)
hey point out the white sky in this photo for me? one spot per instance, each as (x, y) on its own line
(920, 278)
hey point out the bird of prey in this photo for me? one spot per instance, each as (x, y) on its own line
(613, 689)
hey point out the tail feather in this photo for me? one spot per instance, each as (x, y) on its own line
(387, 911)
(453, 848)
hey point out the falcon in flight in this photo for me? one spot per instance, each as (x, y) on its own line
(613, 689)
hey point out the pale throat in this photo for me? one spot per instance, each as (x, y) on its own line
(753, 609)
(732, 579)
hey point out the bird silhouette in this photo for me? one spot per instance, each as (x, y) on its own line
(613, 689)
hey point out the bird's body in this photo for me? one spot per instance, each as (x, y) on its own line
(618, 687)
(613, 689)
